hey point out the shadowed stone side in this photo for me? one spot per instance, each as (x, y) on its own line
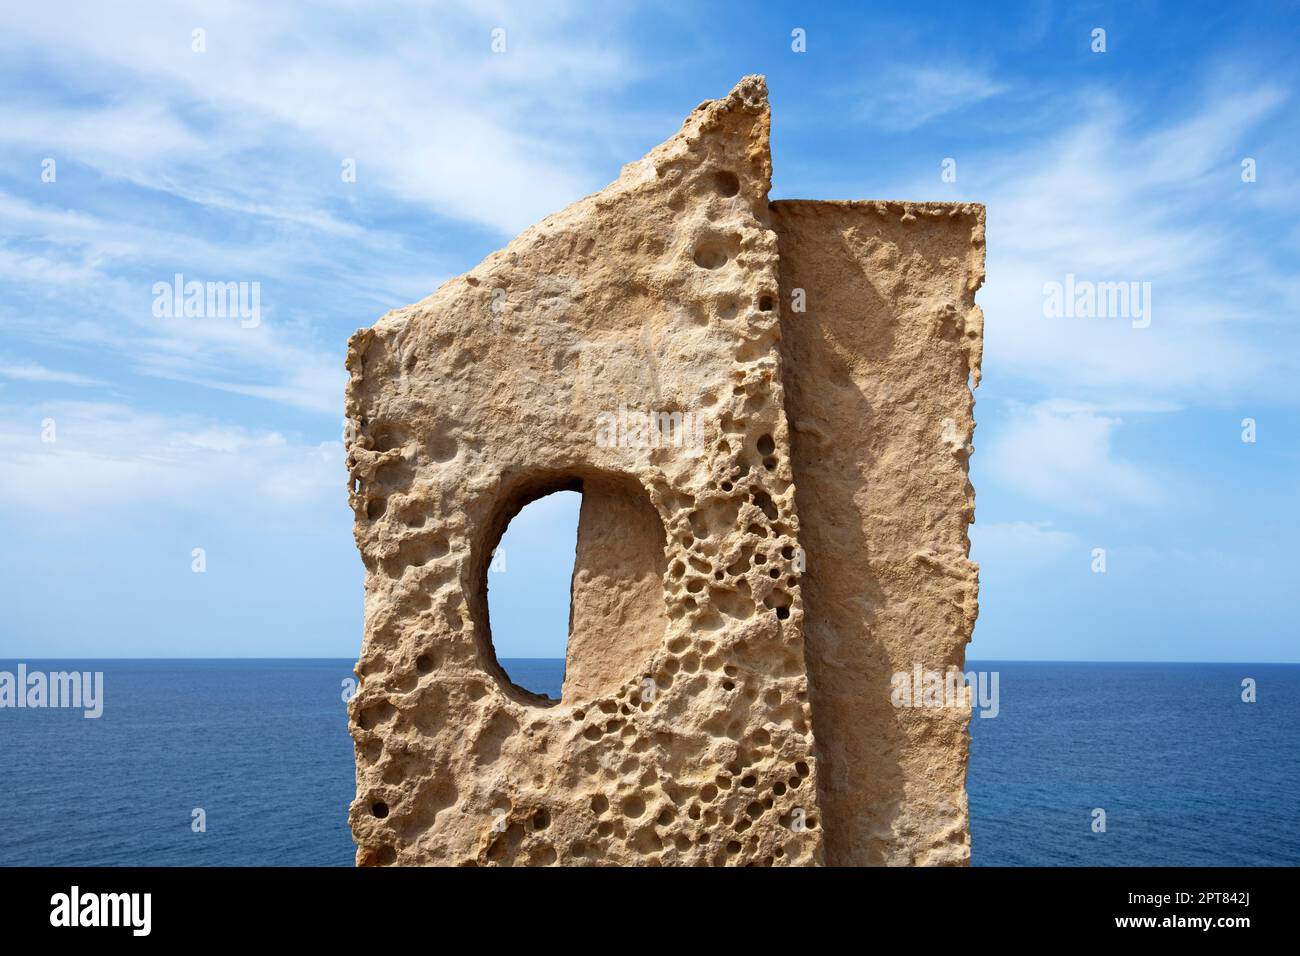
(877, 377)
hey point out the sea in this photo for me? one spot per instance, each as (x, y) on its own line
(249, 762)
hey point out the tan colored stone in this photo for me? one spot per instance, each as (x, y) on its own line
(685, 734)
(877, 392)
(656, 294)
(617, 611)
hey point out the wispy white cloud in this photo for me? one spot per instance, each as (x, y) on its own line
(1109, 190)
(106, 459)
(32, 372)
(909, 97)
(1024, 542)
(431, 114)
(1061, 452)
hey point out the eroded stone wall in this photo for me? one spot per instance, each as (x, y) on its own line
(657, 294)
(685, 735)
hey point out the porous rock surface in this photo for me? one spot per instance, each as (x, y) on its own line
(685, 732)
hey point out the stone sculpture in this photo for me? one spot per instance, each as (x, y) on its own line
(767, 409)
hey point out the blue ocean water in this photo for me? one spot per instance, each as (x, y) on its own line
(262, 747)
(1186, 772)
(541, 675)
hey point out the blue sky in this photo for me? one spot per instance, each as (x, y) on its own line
(225, 165)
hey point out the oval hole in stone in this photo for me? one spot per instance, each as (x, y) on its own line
(552, 631)
(528, 585)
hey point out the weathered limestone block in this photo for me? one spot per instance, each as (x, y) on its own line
(689, 741)
(685, 734)
(877, 393)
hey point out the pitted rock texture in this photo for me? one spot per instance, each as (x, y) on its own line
(685, 734)
(691, 743)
